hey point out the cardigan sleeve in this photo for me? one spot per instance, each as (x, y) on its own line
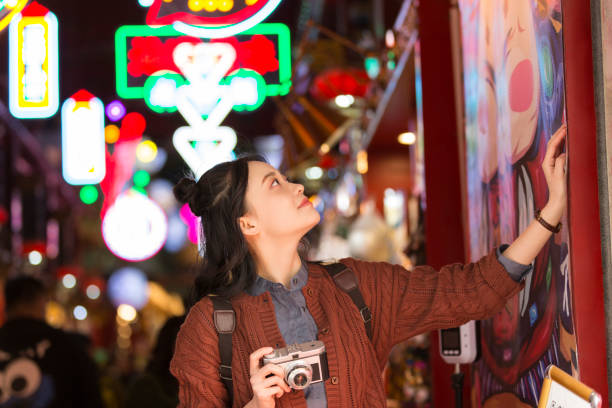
(196, 360)
(405, 303)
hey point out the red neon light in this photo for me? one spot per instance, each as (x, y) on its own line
(120, 164)
(258, 54)
(30, 246)
(162, 13)
(132, 126)
(149, 55)
(334, 82)
(82, 96)
(34, 9)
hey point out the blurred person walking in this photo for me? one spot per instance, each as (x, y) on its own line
(42, 367)
(157, 387)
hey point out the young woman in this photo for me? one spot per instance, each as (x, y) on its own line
(253, 221)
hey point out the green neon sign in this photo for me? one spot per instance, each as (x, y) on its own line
(280, 85)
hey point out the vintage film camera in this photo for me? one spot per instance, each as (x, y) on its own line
(304, 363)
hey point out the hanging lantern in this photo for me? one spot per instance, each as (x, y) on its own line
(340, 81)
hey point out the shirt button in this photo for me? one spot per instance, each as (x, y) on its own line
(324, 330)
(295, 281)
(334, 380)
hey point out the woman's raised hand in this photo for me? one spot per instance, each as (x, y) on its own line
(267, 382)
(554, 171)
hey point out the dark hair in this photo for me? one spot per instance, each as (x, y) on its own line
(22, 290)
(218, 198)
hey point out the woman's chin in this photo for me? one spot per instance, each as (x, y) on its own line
(312, 218)
(316, 217)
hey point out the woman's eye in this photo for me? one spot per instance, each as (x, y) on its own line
(275, 182)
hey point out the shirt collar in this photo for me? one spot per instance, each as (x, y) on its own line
(262, 285)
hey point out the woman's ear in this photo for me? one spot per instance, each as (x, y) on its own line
(248, 226)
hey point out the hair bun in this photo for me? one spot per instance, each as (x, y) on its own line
(185, 191)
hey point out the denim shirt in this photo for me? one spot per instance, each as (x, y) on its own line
(294, 321)
(297, 325)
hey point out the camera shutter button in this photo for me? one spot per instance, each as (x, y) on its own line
(334, 380)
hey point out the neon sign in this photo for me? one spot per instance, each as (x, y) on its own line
(204, 143)
(210, 18)
(33, 63)
(143, 55)
(8, 9)
(83, 147)
(204, 79)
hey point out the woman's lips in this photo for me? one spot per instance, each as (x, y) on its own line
(304, 202)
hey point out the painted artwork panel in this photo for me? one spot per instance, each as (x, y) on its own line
(514, 103)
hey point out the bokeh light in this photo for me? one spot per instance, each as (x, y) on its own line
(146, 151)
(115, 110)
(134, 228)
(128, 286)
(69, 281)
(35, 258)
(132, 126)
(79, 312)
(111, 134)
(407, 138)
(88, 194)
(92, 291)
(141, 178)
(126, 312)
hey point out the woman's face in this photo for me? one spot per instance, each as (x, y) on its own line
(276, 207)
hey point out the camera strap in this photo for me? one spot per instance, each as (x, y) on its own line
(224, 318)
(347, 281)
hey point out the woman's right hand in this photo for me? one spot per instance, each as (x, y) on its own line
(267, 382)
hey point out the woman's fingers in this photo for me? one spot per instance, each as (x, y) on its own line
(555, 145)
(255, 357)
(269, 369)
(560, 165)
(275, 380)
(276, 391)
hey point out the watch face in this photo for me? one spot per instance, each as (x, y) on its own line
(212, 14)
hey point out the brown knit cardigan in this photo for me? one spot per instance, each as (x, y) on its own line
(403, 303)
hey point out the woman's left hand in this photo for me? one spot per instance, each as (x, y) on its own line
(554, 171)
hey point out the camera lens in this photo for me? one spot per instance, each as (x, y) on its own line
(301, 380)
(299, 376)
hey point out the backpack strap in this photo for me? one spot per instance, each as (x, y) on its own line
(347, 281)
(224, 318)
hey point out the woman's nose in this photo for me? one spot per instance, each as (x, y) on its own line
(300, 189)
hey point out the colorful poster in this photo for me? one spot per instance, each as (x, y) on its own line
(514, 97)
